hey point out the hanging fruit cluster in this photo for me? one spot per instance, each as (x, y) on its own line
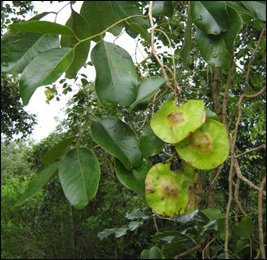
(200, 140)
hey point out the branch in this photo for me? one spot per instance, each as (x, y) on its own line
(244, 179)
(216, 92)
(230, 188)
(232, 119)
(193, 249)
(238, 204)
(261, 236)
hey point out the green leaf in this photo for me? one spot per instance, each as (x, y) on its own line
(117, 138)
(217, 49)
(213, 49)
(257, 8)
(82, 30)
(43, 70)
(153, 253)
(239, 7)
(150, 144)
(136, 214)
(37, 183)
(210, 16)
(133, 179)
(210, 114)
(134, 26)
(42, 27)
(212, 213)
(41, 15)
(57, 151)
(99, 15)
(245, 227)
(106, 233)
(116, 76)
(211, 226)
(241, 244)
(187, 217)
(147, 89)
(185, 51)
(125, 176)
(162, 8)
(79, 175)
(120, 232)
(19, 49)
(134, 225)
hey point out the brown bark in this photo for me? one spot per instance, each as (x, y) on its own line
(216, 92)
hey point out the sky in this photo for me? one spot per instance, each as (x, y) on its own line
(46, 113)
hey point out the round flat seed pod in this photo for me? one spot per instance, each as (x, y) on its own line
(173, 123)
(169, 193)
(207, 147)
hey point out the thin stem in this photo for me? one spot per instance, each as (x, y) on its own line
(260, 220)
(226, 92)
(252, 57)
(61, 10)
(263, 146)
(153, 51)
(111, 26)
(155, 223)
(173, 61)
(86, 125)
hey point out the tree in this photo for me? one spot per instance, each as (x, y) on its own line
(14, 119)
(202, 130)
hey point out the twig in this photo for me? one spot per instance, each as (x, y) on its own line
(227, 88)
(261, 236)
(193, 249)
(216, 92)
(244, 179)
(187, 252)
(232, 119)
(86, 125)
(111, 26)
(143, 124)
(210, 192)
(60, 10)
(155, 223)
(240, 113)
(252, 57)
(173, 63)
(203, 251)
(153, 51)
(207, 82)
(263, 146)
(238, 204)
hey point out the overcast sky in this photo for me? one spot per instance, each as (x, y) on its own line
(46, 113)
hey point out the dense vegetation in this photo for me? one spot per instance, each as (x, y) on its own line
(85, 191)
